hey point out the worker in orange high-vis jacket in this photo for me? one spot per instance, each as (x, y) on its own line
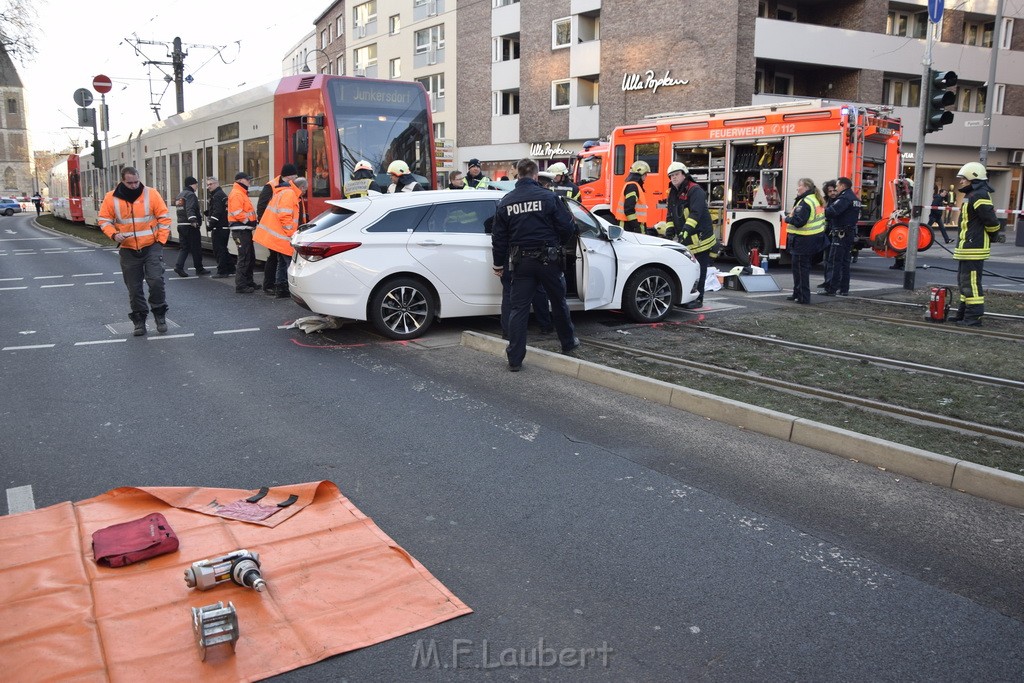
(242, 221)
(279, 223)
(136, 217)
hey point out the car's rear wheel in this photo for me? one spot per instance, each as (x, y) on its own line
(402, 308)
(8, 212)
(649, 295)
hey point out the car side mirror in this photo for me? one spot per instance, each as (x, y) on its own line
(614, 232)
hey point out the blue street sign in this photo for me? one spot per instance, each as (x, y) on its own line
(935, 10)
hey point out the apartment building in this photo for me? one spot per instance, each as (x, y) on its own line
(397, 39)
(538, 66)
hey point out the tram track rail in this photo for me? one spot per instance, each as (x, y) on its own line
(1002, 316)
(892, 410)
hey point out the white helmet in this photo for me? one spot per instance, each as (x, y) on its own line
(972, 170)
(558, 169)
(641, 167)
(363, 165)
(398, 167)
(677, 166)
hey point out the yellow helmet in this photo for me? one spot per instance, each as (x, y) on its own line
(398, 167)
(677, 166)
(641, 167)
(972, 170)
(363, 165)
(558, 169)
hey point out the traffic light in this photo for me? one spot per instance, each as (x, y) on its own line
(97, 154)
(939, 98)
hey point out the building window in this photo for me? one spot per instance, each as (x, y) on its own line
(365, 13)
(12, 105)
(506, 102)
(561, 31)
(1006, 33)
(394, 24)
(783, 13)
(434, 85)
(1000, 95)
(439, 130)
(907, 24)
(560, 91)
(978, 33)
(341, 65)
(430, 39)
(341, 25)
(783, 84)
(966, 96)
(587, 91)
(503, 3)
(901, 92)
(364, 57)
(395, 68)
(506, 48)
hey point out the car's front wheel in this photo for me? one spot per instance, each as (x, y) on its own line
(402, 308)
(649, 295)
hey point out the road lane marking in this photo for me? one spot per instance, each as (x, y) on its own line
(246, 329)
(20, 499)
(47, 277)
(172, 336)
(11, 279)
(25, 348)
(7, 289)
(27, 239)
(68, 284)
(87, 274)
(101, 341)
(106, 282)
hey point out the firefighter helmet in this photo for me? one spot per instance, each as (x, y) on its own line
(641, 167)
(363, 165)
(677, 166)
(398, 167)
(558, 169)
(972, 170)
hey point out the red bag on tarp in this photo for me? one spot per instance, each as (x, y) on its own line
(122, 544)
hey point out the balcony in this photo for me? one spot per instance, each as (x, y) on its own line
(581, 6)
(505, 75)
(429, 58)
(505, 20)
(505, 129)
(585, 122)
(585, 59)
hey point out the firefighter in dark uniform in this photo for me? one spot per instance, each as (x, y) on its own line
(978, 227)
(689, 222)
(563, 184)
(531, 225)
(632, 207)
(841, 215)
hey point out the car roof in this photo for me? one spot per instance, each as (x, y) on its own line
(387, 201)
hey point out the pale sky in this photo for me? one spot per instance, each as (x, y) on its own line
(78, 40)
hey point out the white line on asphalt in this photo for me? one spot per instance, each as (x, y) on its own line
(47, 277)
(105, 282)
(27, 239)
(7, 289)
(25, 348)
(246, 329)
(172, 336)
(10, 279)
(68, 284)
(101, 341)
(20, 499)
(86, 274)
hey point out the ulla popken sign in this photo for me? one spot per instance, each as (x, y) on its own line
(546, 149)
(648, 81)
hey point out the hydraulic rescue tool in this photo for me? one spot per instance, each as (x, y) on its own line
(215, 625)
(240, 566)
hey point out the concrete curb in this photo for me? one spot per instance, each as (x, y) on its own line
(977, 480)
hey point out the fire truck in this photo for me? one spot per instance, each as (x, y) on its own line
(749, 160)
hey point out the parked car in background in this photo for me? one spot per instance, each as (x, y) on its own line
(9, 207)
(403, 260)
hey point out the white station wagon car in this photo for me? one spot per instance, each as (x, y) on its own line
(403, 260)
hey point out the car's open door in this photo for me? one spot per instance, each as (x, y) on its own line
(596, 265)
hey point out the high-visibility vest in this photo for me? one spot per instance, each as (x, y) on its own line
(815, 221)
(480, 183)
(977, 221)
(358, 187)
(279, 221)
(632, 189)
(240, 209)
(144, 222)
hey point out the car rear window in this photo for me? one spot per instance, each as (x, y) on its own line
(400, 220)
(328, 220)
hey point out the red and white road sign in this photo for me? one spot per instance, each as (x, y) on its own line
(102, 84)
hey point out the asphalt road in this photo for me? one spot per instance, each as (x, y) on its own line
(654, 544)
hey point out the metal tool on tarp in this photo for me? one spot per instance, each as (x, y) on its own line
(241, 566)
(215, 625)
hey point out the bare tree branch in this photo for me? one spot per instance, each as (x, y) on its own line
(18, 26)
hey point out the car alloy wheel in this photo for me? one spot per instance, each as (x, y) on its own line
(649, 295)
(402, 308)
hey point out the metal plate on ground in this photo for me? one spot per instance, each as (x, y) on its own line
(758, 283)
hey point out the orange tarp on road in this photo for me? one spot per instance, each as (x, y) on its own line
(335, 583)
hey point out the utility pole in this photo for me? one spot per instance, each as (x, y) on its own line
(990, 92)
(910, 257)
(178, 60)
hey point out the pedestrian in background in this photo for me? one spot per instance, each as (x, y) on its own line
(189, 222)
(829, 192)
(939, 202)
(978, 228)
(402, 179)
(137, 218)
(456, 181)
(475, 178)
(242, 221)
(531, 226)
(841, 215)
(279, 223)
(37, 199)
(289, 172)
(217, 226)
(805, 230)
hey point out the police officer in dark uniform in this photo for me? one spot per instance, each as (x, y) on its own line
(531, 225)
(842, 214)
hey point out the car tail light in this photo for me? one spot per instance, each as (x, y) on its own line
(318, 251)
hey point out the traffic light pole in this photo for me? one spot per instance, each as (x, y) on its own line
(914, 228)
(990, 95)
